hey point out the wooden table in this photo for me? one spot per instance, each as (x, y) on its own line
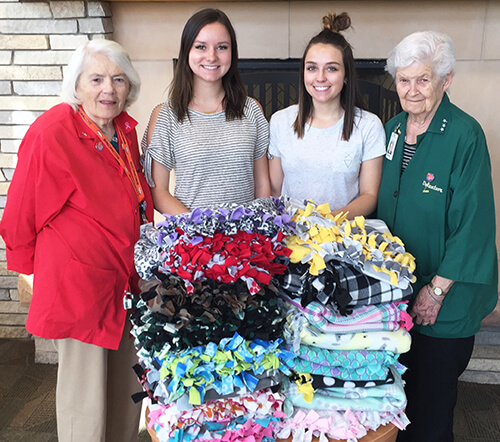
(387, 433)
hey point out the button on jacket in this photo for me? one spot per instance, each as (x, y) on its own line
(442, 208)
(72, 219)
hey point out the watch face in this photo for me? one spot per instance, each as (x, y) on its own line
(437, 291)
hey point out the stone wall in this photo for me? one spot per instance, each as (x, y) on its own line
(36, 41)
(37, 37)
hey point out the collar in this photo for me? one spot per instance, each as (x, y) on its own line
(126, 122)
(438, 124)
(123, 121)
(440, 121)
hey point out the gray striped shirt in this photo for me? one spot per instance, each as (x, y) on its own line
(212, 158)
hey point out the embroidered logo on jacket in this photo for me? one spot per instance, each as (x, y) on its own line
(428, 186)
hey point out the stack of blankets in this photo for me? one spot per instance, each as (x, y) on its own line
(208, 327)
(270, 320)
(344, 294)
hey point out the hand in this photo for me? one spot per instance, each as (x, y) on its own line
(424, 310)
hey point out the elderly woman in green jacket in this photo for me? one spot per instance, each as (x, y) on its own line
(437, 195)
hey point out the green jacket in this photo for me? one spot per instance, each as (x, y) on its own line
(442, 208)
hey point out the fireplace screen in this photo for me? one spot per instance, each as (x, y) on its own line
(274, 83)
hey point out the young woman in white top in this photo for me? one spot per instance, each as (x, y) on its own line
(327, 148)
(209, 131)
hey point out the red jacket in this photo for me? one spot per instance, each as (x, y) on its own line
(72, 220)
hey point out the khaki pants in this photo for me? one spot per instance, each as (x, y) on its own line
(94, 386)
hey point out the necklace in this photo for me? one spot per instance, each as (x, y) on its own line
(212, 112)
(203, 108)
(109, 133)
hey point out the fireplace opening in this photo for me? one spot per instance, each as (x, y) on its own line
(274, 84)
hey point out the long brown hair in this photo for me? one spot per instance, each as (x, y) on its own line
(181, 88)
(350, 96)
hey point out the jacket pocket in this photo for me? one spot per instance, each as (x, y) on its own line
(88, 293)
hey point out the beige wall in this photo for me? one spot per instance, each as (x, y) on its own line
(151, 33)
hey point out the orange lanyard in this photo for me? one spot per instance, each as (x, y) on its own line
(130, 171)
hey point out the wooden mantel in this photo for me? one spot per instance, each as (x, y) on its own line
(232, 1)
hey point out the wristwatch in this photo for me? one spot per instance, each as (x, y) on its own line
(438, 291)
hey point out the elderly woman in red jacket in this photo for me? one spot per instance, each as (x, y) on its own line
(73, 214)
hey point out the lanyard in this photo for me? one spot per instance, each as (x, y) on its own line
(122, 141)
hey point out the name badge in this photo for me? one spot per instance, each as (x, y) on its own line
(391, 147)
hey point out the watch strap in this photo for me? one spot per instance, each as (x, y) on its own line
(438, 291)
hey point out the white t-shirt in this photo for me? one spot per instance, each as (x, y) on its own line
(321, 166)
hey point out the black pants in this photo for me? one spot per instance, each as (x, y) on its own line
(434, 366)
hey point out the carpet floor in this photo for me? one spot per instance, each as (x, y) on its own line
(27, 401)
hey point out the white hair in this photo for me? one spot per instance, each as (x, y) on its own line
(78, 62)
(427, 47)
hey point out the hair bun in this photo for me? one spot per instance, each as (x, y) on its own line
(336, 23)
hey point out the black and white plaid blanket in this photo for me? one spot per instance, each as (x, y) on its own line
(340, 284)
